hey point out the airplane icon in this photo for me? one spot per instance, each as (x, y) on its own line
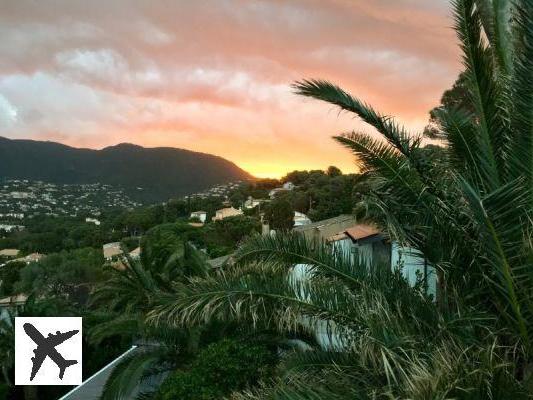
(46, 347)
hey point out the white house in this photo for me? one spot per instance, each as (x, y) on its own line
(288, 186)
(301, 219)
(201, 215)
(92, 221)
(370, 245)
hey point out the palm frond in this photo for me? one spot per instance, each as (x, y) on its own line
(397, 136)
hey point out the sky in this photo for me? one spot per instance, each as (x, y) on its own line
(214, 76)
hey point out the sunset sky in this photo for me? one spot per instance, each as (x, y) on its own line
(214, 76)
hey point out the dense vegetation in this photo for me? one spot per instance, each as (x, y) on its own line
(470, 215)
(146, 174)
(257, 328)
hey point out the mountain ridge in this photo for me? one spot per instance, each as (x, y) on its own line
(163, 172)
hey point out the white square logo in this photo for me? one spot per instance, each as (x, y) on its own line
(48, 351)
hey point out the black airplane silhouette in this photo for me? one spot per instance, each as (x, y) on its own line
(47, 347)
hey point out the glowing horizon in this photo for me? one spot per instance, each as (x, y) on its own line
(215, 77)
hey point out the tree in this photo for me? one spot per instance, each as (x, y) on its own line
(9, 276)
(280, 214)
(387, 339)
(457, 97)
(68, 273)
(333, 171)
(219, 369)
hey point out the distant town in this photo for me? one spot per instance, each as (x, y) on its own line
(20, 199)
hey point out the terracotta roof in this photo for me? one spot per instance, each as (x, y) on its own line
(362, 231)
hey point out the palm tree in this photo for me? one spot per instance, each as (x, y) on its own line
(122, 303)
(471, 217)
(33, 307)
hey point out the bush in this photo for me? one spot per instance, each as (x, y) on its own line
(220, 369)
(4, 390)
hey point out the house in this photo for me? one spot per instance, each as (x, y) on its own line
(92, 221)
(251, 202)
(371, 245)
(33, 257)
(11, 228)
(10, 303)
(201, 215)
(226, 212)
(9, 252)
(301, 219)
(288, 186)
(322, 230)
(112, 250)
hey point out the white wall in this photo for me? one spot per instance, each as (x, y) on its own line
(411, 263)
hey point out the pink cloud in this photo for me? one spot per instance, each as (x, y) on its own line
(215, 76)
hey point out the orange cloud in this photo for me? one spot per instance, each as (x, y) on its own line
(215, 76)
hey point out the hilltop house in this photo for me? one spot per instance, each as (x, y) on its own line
(201, 215)
(226, 212)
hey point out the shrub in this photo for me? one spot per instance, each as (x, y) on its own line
(218, 370)
(4, 390)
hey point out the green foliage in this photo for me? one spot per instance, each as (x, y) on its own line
(218, 370)
(163, 241)
(320, 194)
(467, 207)
(333, 171)
(222, 237)
(9, 276)
(68, 273)
(257, 189)
(54, 234)
(457, 97)
(130, 243)
(279, 214)
(4, 390)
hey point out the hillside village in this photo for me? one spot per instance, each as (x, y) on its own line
(21, 199)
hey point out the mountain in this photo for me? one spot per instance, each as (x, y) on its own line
(146, 174)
